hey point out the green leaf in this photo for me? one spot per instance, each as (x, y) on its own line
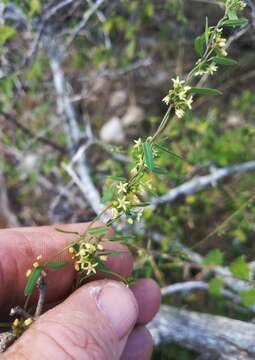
(148, 156)
(35, 7)
(224, 61)
(236, 22)
(124, 238)
(158, 170)
(168, 151)
(199, 44)
(99, 230)
(117, 178)
(112, 252)
(57, 264)
(204, 91)
(32, 280)
(6, 33)
(206, 30)
(108, 195)
(232, 15)
(214, 257)
(141, 204)
(240, 268)
(248, 296)
(215, 286)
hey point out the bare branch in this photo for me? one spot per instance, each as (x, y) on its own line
(12, 119)
(82, 179)
(9, 216)
(222, 337)
(201, 182)
(92, 10)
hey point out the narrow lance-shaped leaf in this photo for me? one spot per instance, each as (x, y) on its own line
(117, 178)
(100, 230)
(224, 61)
(121, 238)
(168, 151)
(236, 22)
(57, 264)
(32, 280)
(160, 171)
(148, 156)
(199, 44)
(141, 204)
(206, 31)
(204, 91)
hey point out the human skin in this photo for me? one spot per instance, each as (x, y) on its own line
(101, 320)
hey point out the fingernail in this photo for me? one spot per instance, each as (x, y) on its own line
(118, 304)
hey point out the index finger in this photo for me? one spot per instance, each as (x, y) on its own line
(19, 249)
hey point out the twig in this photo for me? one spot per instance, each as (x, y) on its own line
(84, 21)
(10, 118)
(42, 287)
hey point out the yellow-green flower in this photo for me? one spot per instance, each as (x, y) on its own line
(178, 97)
(122, 187)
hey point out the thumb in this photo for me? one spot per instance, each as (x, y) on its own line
(93, 323)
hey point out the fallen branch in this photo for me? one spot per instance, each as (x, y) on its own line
(222, 337)
(201, 182)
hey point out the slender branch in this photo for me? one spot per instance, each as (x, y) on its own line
(10, 118)
(92, 10)
(190, 286)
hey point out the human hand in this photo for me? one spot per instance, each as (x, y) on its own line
(101, 320)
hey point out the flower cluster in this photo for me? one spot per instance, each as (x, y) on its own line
(127, 195)
(234, 5)
(20, 325)
(36, 264)
(204, 67)
(179, 97)
(219, 43)
(127, 203)
(87, 257)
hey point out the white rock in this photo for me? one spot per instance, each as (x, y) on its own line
(112, 131)
(118, 98)
(133, 115)
(234, 119)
